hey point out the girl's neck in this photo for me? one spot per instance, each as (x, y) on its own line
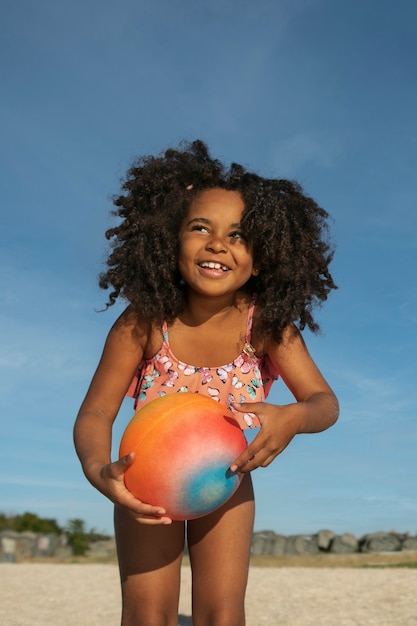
(210, 331)
(201, 309)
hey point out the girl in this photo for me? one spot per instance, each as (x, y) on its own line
(218, 266)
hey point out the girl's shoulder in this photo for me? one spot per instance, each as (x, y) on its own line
(265, 344)
(131, 331)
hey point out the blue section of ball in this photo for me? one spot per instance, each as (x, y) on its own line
(208, 490)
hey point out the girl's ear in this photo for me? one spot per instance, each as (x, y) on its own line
(255, 271)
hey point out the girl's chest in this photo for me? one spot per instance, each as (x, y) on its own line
(206, 347)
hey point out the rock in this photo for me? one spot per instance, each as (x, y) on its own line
(29, 545)
(8, 550)
(102, 549)
(7, 557)
(344, 544)
(381, 542)
(26, 545)
(46, 545)
(257, 546)
(263, 542)
(300, 544)
(278, 548)
(324, 539)
(269, 541)
(409, 544)
(63, 552)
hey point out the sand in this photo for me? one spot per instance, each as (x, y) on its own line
(38, 594)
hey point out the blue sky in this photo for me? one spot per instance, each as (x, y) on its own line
(322, 91)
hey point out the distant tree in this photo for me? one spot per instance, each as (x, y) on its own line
(77, 536)
(29, 522)
(35, 524)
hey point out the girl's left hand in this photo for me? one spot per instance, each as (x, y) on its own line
(278, 427)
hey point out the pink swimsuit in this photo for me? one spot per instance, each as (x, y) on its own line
(247, 379)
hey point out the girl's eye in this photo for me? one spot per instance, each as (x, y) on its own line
(199, 227)
(237, 235)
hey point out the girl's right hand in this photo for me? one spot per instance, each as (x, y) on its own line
(111, 483)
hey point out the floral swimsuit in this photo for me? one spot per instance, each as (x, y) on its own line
(246, 379)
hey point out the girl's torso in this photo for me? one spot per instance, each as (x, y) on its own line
(247, 378)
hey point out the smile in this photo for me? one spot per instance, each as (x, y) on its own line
(214, 266)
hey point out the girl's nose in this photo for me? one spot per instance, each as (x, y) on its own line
(216, 244)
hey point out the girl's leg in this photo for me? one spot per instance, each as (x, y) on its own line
(219, 547)
(149, 562)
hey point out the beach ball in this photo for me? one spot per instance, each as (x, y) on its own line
(184, 444)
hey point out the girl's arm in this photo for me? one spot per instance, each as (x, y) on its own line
(316, 407)
(122, 353)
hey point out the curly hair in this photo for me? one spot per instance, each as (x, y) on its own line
(286, 229)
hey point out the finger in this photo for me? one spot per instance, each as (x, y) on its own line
(262, 459)
(146, 513)
(153, 521)
(247, 455)
(256, 455)
(153, 516)
(117, 469)
(127, 460)
(251, 464)
(248, 407)
(124, 462)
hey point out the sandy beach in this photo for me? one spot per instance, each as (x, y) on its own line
(38, 594)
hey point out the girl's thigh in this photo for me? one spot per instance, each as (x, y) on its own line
(219, 547)
(149, 562)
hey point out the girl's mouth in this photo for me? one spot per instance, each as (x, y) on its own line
(212, 265)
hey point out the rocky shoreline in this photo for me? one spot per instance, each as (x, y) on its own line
(326, 541)
(18, 547)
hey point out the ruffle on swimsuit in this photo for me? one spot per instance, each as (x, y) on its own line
(247, 378)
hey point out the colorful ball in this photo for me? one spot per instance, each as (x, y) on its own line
(184, 444)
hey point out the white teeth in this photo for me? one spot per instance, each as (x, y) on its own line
(214, 266)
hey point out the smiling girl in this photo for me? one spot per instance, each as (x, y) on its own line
(221, 269)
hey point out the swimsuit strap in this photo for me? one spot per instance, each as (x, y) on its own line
(250, 320)
(165, 333)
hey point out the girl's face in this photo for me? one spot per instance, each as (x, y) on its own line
(214, 257)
